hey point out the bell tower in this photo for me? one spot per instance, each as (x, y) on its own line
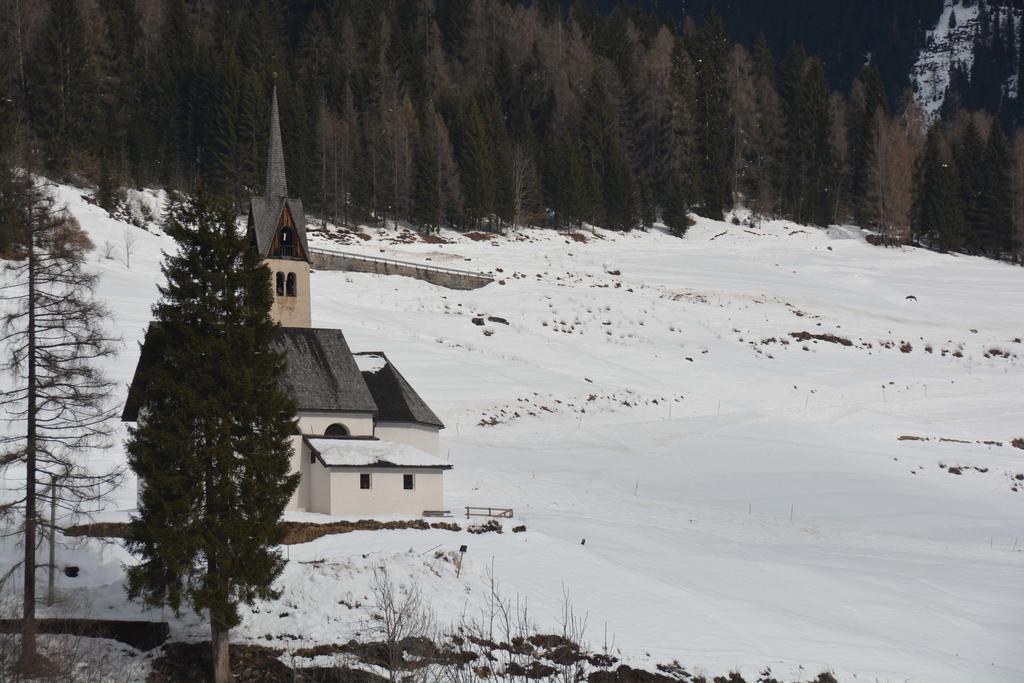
(277, 230)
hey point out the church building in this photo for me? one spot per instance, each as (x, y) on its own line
(367, 443)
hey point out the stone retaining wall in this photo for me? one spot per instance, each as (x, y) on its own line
(322, 260)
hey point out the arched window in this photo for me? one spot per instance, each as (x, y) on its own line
(280, 284)
(290, 288)
(336, 429)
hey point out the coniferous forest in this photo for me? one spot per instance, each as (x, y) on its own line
(485, 114)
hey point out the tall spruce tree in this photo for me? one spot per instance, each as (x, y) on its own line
(970, 162)
(997, 195)
(808, 168)
(710, 52)
(940, 215)
(60, 92)
(212, 447)
(426, 198)
(867, 98)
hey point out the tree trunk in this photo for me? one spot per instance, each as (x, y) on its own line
(29, 657)
(219, 639)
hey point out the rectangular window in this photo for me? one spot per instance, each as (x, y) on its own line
(364, 481)
(407, 482)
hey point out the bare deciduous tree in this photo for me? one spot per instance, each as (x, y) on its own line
(890, 184)
(129, 246)
(524, 185)
(53, 334)
(401, 614)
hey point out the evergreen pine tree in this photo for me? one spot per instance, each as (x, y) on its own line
(172, 88)
(710, 52)
(60, 95)
(426, 199)
(620, 193)
(121, 143)
(940, 215)
(867, 99)
(475, 156)
(970, 162)
(808, 164)
(821, 164)
(232, 170)
(996, 197)
(212, 446)
(677, 194)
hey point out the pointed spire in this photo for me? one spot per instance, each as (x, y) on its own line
(277, 184)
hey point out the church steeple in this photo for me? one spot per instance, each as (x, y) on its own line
(277, 184)
(277, 228)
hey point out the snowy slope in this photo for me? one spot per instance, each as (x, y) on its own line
(745, 502)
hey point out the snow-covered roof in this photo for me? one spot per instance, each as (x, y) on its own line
(370, 362)
(371, 453)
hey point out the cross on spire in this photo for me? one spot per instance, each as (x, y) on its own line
(277, 184)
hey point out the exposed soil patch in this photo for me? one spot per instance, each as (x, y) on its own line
(578, 237)
(478, 236)
(944, 439)
(304, 532)
(295, 532)
(627, 674)
(962, 469)
(142, 635)
(191, 662)
(538, 657)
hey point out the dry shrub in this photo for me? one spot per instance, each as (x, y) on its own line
(828, 337)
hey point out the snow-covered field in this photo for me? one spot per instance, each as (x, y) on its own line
(743, 495)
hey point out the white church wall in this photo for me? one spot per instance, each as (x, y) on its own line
(300, 464)
(423, 437)
(319, 489)
(359, 424)
(386, 495)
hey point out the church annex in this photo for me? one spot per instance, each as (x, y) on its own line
(367, 443)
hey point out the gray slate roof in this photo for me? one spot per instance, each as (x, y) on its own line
(396, 400)
(277, 183)
(320, 373)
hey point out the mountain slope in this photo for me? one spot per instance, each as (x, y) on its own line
(743, 494)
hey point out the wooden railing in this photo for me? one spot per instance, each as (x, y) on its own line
(505, 513)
